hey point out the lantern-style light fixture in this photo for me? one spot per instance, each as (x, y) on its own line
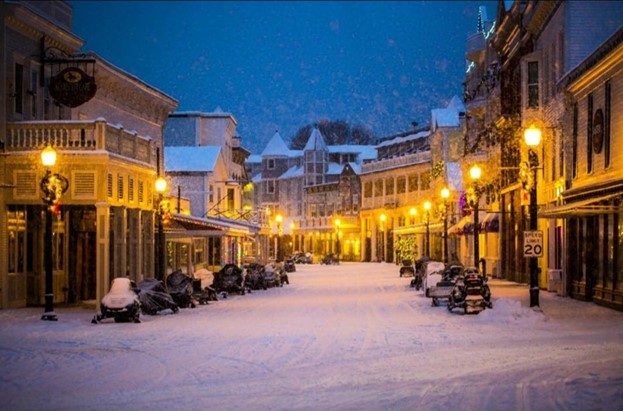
(383, 217)
(413, 211)
(428, 205)
(532, 136)
(445, 193)
(48, 157)
(337, 222)
(475, 172)
(161, 185)
(279, 218)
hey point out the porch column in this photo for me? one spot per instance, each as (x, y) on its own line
(134, 239)
(121, 242)
(102, 275)
(147, 234)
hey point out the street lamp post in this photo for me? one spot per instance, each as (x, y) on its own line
(532, 137)
(279, 221)
(427, 206)
(445, 194)
(475, 172)
(161, 188)
(53, 185)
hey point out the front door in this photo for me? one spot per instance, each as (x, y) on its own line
(81, 262)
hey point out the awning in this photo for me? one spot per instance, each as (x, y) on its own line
(586, 207)
(459, 227)
(491, 223)
(182, 226)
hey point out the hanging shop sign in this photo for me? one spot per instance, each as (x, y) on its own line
(72, 87)
(598, 131)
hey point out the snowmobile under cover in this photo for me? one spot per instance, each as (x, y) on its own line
(229, 279)
(154, 297)
(254, 277)
(180, 286)
(120, 303)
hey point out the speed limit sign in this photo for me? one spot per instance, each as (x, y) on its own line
(533, 243)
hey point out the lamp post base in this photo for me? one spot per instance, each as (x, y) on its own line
(49, 316)
(534, 296)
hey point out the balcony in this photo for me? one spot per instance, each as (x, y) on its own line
(395, 162)
(81, 136)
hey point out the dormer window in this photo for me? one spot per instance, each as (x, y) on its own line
(270, 163)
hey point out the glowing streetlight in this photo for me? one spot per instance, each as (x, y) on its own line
(53, 185)
(475, 172)
(160, 185)
(532, 138)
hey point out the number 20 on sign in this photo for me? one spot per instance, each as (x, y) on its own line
(533, 243)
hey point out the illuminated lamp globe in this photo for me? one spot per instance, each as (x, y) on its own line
(427, 205)
(383, 218)
(337, 222)
(48, 157)
(445, 193)
(475, 172)
(413, 211)
(532, 136)
(279, 218)
(161, 185)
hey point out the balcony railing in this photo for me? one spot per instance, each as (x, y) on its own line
(399, 161)
(79, 136)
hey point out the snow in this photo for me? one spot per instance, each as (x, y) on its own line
(191, 158)
(276, 147)
(294, 171)
(335, 168)
(315, 141)
(454, 176)
(353, 336)
(254, 159)
(257, 178)
(364, 152)
(410, 137)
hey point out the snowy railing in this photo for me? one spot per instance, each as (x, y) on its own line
(399, 161)
(78, 136)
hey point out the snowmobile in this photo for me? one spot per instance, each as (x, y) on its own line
(202, 291)
(120, 303)
(470, 292)
(330, 259)
(229, 280)
(302, 258)
(154, 297)
(254, 277)
(272, 275)
(438, 281)
(180, 286)
(289, 266)
(407, 269)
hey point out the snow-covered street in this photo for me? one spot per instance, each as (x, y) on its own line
(353, 336)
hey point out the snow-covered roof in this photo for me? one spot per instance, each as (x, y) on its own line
(296, 153)
(356, 167)
(276, 147)
(253, 159)
(335, 168)
(454, 176)
(292, 172)
(457, 104)
(445, 117)
(398, 140)
(315, 141)
(191, 158)
(257, 178)
(364, 152)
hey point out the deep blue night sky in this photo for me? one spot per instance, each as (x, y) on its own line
(281, 65)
